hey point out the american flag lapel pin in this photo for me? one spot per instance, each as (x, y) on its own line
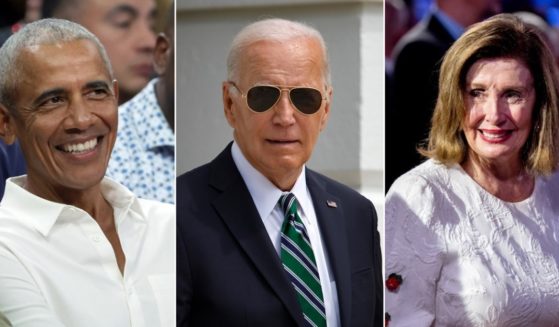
(331, 204)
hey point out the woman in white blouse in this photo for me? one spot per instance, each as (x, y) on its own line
(472, 234)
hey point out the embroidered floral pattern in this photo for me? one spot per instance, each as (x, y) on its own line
(469, 258)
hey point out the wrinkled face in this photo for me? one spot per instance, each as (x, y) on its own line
(67, 115)
(500, 98)
(279, 141)
(125, 27)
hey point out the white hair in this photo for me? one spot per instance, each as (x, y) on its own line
(273, 29)
(44, 31)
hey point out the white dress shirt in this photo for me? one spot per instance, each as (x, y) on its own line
(57, 268)
(265, 196)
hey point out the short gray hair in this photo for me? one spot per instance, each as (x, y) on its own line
(44, 31)
(273, 29)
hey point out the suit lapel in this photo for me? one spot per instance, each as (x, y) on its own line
(237, 210)
(329, 212)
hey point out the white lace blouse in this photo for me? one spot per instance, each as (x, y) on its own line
(467, 258)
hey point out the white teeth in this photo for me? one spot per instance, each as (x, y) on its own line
(494, 135)
(80, 147)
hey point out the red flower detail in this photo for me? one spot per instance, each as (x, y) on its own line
(386, 319)
(16, 27)
(393, 282)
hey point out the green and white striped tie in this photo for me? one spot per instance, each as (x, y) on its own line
(299, 263)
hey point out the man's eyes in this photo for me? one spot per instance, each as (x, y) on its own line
(56, 99)
(52, 102)
(99, 93)
(122, 20)
(59, 100)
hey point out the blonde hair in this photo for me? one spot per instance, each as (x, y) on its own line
(502, 36)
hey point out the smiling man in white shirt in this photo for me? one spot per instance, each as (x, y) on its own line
(76, 249)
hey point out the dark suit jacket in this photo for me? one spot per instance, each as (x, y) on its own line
(228, 272)
(414, 87)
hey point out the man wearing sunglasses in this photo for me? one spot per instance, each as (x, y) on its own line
(263, 240)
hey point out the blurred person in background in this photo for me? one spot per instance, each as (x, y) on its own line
(126, 29)
(548, 32)
(397, 23)
(417, 58)
(143, 158)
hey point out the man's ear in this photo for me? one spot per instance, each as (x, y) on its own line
(228, 104)
(115, 89)
(161, 54)
(7, 129)
(326, 115)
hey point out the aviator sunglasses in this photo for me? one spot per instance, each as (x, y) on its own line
(260, 98)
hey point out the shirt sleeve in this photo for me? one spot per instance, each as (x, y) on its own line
(414, 251)
(21, 300)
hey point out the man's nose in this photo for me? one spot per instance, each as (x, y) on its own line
(284, 110)
(145, 36)
(79, 116)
